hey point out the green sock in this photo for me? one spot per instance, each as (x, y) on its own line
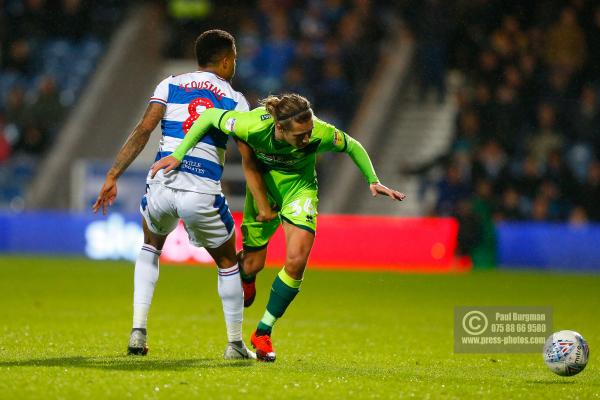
(283, 291)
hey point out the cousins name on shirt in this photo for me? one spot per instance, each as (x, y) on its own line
(195, 85)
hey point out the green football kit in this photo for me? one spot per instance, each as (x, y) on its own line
(289, 173)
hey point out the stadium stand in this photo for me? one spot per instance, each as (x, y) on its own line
(526, 139)
(49, 51)
(325, 50)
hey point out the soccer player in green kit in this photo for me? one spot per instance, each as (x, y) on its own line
(286, 138)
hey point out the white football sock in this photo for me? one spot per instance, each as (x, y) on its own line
(145, 277)
(231, 293)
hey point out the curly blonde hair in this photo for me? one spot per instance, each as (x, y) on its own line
(288, 107)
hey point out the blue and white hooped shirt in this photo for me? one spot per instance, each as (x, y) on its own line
(186, 96)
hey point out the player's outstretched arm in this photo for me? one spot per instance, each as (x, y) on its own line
(359, 155)
(132, 147)
(209, 118)
(256, 183)
(377, 189)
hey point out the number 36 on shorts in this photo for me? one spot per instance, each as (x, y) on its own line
(302, 211)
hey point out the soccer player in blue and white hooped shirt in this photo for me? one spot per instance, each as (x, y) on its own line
(193, 191)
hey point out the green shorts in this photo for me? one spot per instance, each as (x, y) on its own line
(297, 204)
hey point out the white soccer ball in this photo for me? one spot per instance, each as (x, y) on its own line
(566, 353)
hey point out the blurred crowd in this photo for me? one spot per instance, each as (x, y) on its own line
(325, 50)
(527, 135)
(48, 50)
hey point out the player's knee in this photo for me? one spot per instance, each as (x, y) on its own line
(155, 240)
(252, 264)
(224, 256)
(225, 261)
(296, 263)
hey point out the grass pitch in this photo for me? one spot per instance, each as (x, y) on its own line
(64, 325)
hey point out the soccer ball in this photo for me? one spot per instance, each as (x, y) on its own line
(566, 353)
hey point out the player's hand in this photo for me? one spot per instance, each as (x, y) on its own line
(107, 195)
(378, 188)
(267, 215)
(168, 163)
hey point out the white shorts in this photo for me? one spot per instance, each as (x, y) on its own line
(206, 217)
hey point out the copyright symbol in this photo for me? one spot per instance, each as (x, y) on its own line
(475, 323)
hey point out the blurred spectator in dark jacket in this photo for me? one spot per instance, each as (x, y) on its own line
(566, 42)
(558, 171)
(306, 56)
(248, 39)
(513, 78)
(547, 137)
(275, 55)
(47, 109)
(540, 209)
(529, 178)
(530, 71)
(19, 57)
(507, 117)
(295, 82)
(357, 32)
(491, 165)
(509, 208)
(334, 91)
(469, 228)
(432, 35)
(468, 133)
(484, 253)
(586, 117)
(452, 188)
(33, 141)
(488, 69)
(590, 192)
(509, 40)
(557, 204)
(17, 112)
(331, 50)
(484, 105)
(558, 90)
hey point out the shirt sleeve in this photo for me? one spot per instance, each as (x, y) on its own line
(359, 155)
(332, 139)
(240, 123)
(161, 93)
(233, 123)
(335, 140)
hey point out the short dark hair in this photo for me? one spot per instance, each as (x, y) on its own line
(213, 45)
